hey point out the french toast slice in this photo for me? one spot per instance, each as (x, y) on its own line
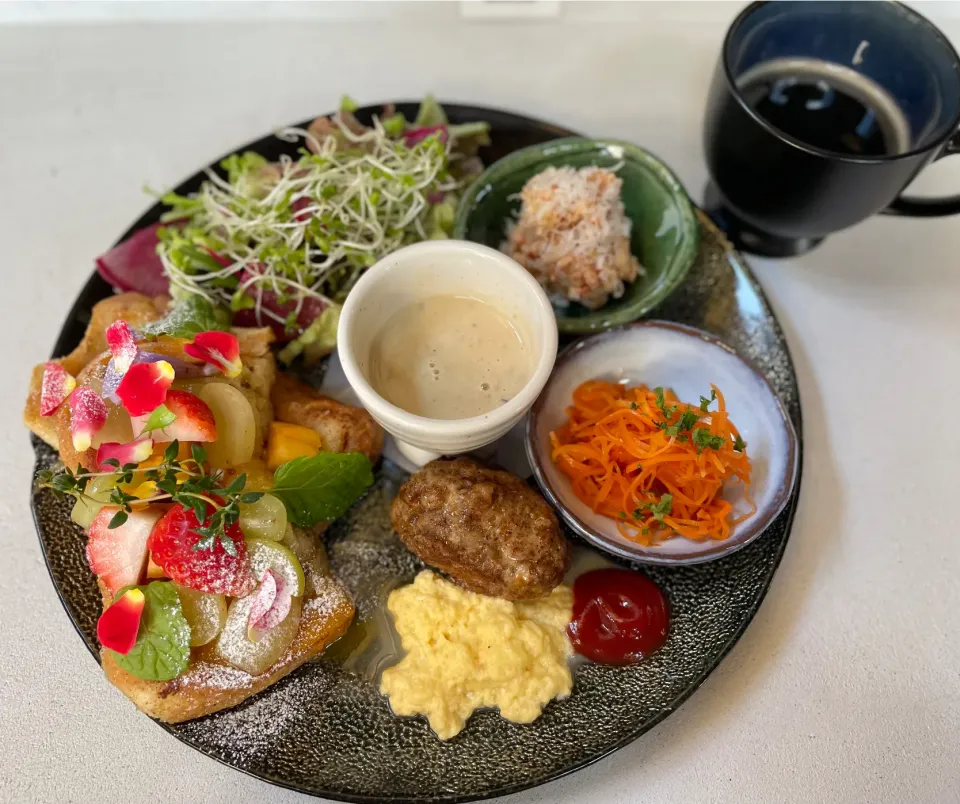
(88, 363)
(134, 308)
(209, 685)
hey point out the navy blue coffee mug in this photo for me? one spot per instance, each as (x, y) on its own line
(821, 113)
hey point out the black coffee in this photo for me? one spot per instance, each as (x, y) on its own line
(827, 106)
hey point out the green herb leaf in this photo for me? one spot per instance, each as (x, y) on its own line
(430, 114)
(319, 339)
(162, 650)
(239, 165)
(192, 315)
(171, 452)
(251, 497)
(703, 439)
(111, 462)
(117, 520)
(63, 482)
(237, 485)
(662, 508)
(705, 403)
(739, 444)
(160, 417)
(394, 124)
(241, 301)
(228, 546)
(206, 542)
(687, 420)
(322, 487)
(199, 453)
(667, 410)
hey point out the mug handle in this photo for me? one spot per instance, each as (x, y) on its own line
(929, 207)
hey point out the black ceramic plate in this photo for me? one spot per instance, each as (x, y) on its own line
(325, 730)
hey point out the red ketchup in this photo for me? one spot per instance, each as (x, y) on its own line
(619, 616)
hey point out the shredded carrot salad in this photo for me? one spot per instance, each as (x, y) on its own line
(655, 464)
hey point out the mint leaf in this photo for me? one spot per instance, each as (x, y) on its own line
(322, 487)
(187, 318)
(159, 418)
(162, 650)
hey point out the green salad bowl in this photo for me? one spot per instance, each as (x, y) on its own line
(665, 234)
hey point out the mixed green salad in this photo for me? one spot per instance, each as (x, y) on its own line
(282, 243)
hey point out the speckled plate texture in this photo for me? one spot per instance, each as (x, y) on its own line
(326, 730)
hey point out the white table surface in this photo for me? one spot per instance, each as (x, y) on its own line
(846, 686)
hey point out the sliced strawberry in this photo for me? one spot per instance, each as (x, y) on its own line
(118, 625)
(270, 605)
(58, 384)
(118, 555)
(88, 414)
(220, 349)
(194, 420)
(131, 452)
(212, 570)
(122, 345)
(144, 386)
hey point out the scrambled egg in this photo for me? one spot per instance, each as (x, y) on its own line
(466, 651)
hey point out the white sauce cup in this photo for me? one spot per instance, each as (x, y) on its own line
(435, 268)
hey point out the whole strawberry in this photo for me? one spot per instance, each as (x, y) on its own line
(211, 570)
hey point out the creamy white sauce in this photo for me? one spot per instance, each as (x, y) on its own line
(449, 357)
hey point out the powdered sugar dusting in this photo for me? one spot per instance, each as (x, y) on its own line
(366, 555)
(330, 597)
(251, 729)
(216, 676)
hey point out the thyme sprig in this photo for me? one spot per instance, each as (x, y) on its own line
(180, 480)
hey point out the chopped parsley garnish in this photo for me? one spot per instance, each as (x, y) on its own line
(704, 439)
(662, 508)
(665, 409)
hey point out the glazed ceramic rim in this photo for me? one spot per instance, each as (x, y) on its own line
(681, 259)
(934, 147)
(537, 453)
